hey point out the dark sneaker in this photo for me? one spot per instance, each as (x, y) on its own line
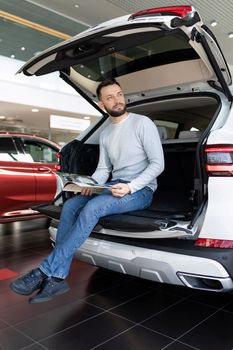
(50, 288)
(28, 283)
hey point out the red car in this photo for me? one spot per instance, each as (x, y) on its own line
(27, 174)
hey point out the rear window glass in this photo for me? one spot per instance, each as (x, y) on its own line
(40, 152)
(163, 50)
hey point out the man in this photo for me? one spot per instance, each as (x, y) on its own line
(131, 151)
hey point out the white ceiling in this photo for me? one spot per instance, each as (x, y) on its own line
(21, 116)
(92, 12)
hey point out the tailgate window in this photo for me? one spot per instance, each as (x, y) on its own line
(163, 50)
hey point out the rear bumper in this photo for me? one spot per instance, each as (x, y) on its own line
(157, 265)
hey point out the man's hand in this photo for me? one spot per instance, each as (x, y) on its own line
(119, 190)
(86, 192)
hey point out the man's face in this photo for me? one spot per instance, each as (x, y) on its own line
(112, 100)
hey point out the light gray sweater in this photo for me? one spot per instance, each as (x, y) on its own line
(132, 151)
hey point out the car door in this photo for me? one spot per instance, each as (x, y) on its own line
(44, 162)
(17, 178)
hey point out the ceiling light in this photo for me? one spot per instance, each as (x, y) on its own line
(35, 110)
(12, 56)
(87, 118)
(76, 6)
(213, 23)
(230, 35)
(22, 48)
(2, 117)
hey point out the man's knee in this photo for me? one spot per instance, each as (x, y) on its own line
(93, 208)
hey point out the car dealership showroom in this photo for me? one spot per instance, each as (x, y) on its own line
(116, 174)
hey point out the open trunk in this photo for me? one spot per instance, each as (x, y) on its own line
(180, 192)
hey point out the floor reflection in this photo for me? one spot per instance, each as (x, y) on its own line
(104, 310)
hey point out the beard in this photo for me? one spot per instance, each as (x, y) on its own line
(116, 113)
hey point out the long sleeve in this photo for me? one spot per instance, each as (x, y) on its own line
(104, 166)
(151, 143)
(131, 151)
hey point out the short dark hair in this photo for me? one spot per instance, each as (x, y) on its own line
(106, 82)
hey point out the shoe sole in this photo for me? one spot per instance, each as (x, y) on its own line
(41, 300)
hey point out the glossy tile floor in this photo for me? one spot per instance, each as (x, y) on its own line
(104, 310)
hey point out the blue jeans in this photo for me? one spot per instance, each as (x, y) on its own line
(79, 216)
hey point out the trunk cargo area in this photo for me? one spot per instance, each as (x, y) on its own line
(175, 202)
(172, 200)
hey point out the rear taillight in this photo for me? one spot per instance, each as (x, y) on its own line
(213, 243)
(58, 155)
(219, 160)
(181, 11)
(57, 167)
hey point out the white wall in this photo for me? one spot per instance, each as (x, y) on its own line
(46, 91)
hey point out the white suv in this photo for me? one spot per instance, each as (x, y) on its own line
(172, 70)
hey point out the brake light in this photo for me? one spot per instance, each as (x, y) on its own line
(181, 11)
(214, 243)
(58, 155)
(57, 167)
(219, 160)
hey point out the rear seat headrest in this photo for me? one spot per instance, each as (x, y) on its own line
(163, 133)
(189, 134)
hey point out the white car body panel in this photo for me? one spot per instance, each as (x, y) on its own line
(218, 219)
